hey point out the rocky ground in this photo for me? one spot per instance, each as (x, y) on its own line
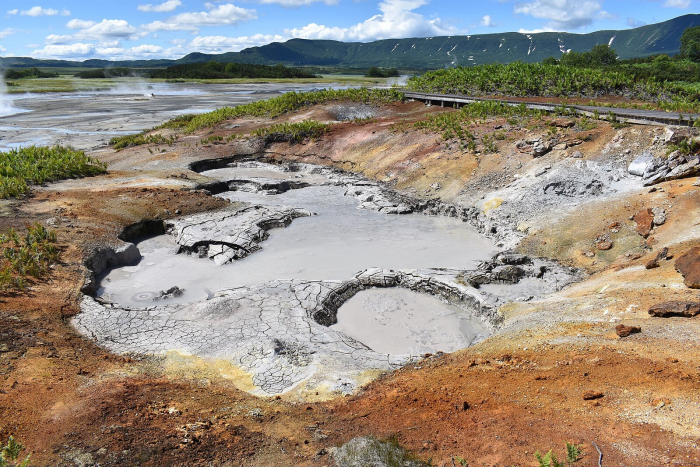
(556, 369)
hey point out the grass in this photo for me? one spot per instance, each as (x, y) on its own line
(123, 142)
(292, 132)
(290, 102)
(71, 84)
(34, 165)
(455, 125)
(23, 256)
(270, 108)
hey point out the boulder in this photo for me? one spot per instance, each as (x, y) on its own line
(659, 216)
(675, 308)
(624, 331)
(603, 242)
(541, 148)
(688, 264)
(645, 222)
(654, 263)
(592, 395)
(640, 164)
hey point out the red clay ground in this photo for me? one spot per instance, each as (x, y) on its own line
(495, 404)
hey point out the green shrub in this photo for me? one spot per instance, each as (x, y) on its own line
(9, 454)
(573, 455)
(292, 132)
(123, 142)
(25, 256)
(34, 165)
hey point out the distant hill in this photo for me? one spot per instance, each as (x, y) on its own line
(423, 53)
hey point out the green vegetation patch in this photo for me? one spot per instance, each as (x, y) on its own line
(555, 79)
(573, 455)
(23, 256)
(376, 72)
(522, 79)
(292, 132)
(29, 73)
(292, 101)
(217, 70)
(123, 142)
(117, 72)
(34, 165)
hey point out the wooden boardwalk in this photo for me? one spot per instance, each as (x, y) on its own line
(638, 116)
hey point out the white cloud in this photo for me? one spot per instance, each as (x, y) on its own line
(396, 20)
(222, 44)
(39, 11)
(7, 32)
(297, 3)
(78, 50)
(682, 4)
(3, 49)
(109, 29)
(165, 7)
(13, 12)
(146, 49)
(58, 39)
(487, 21)
(227, 14)
(83, 51)
(562, 14)
(79, 24)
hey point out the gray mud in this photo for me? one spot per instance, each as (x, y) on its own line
(400, 321)
(89, 119)
(333, 244)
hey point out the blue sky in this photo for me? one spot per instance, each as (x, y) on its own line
(133, 29)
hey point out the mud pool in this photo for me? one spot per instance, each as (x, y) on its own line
(400, 321)
(337, 242)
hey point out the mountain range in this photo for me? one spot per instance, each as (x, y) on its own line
(422, 53)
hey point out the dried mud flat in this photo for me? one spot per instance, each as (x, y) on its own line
(73, 402)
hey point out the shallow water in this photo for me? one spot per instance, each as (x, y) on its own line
(399, 321)
(338, 242)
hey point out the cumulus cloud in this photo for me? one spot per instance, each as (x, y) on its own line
(563, 14)
(3, 49)
(39, 11)
(165, 7)
(79, 24)
(65, 50)
(487, 21)
(222, 44)
(397, 19)
(635, 23)
(682, 4)
(226, 14)
(13, 12)
(83, 51)
(146, 49)
(105, 30)
(297, 3)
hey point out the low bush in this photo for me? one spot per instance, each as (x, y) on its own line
(25, 256)
(34, 165)
(292, 132)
